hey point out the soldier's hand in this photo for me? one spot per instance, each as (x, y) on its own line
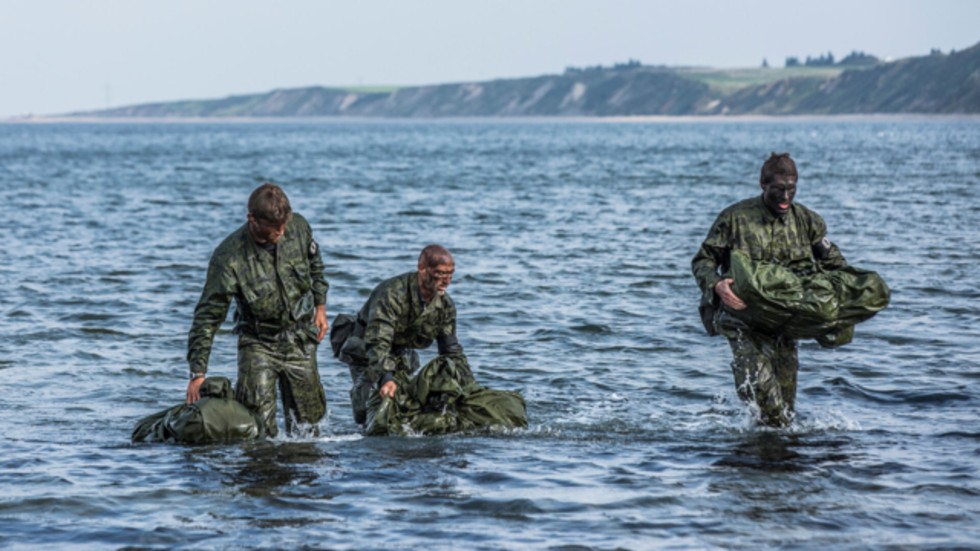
(724, 290)
(320, 319)
(388, 389)
(194, 390)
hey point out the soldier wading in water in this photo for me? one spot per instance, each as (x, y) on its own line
(769, 228)
(402, 314)
(272, 268)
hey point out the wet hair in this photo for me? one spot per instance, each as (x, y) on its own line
(778, 164)
(433, 255)
(269, 204)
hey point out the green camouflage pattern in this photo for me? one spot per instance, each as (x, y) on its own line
(749, 226)
(442, 398)
(389, 327)
(291, 367)
(395, 317)
(275, 294)
(824, 306)
(215, 418)
(764, 365)
(764, 368)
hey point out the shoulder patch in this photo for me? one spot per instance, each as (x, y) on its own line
(821, 249)
(314, 248)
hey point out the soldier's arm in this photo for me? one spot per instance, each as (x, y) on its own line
(825, 252)
(379, 334)
(320, 283)
(210, 312)
(446, 337)
(712, 254)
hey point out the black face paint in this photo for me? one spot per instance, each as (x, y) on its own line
(778, 195)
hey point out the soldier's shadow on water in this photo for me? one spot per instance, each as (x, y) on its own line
(780, 452)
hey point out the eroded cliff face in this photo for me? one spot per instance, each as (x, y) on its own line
(930, 84)
(938, 83)
(637, 91)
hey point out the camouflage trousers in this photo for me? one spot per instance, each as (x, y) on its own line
(293, 368)
(365, 383)
(764, 368)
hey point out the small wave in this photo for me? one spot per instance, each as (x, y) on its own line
(960, 434)
(947, 489)
(102, 331)
(898, 396)
(339, 438)
(592, 329)
(511, 509)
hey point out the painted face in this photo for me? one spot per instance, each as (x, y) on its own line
(778, 194)
(265, 232)
(434, 280)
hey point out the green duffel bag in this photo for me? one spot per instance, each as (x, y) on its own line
(215, 418)
(824, 306)
(486, 407)
(442, 398)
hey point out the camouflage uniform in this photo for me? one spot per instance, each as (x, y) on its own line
(764, 366)
(392, 324)
(276, 293)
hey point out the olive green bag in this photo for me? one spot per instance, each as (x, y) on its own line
(444, 397)
(824, 306)
(215, 418)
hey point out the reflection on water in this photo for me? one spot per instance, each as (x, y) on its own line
(266, 468)
(775, 451)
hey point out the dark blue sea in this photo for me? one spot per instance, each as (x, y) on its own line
(573, 242)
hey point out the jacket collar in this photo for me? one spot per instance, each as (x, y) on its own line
(416, 294)
(769, 217)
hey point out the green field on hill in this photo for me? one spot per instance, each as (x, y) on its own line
(729, 80)
(380, 89)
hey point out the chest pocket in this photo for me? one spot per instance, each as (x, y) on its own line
(262, 298)
(798, 252)
(424, 328)
(299, 281)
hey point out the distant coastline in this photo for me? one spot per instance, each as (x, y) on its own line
(934, 84)
(639, 119)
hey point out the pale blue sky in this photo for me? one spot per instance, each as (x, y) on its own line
(64, 55)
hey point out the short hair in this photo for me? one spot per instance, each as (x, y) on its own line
(433, 255)
(269, 203)
(778, 164)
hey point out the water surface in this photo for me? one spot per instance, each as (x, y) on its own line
(573, 243)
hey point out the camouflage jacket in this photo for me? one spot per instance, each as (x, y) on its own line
(749, 226)
(395, 317)
(275, 293)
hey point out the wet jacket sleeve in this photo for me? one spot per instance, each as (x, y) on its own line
(826, 253)
(713, 253)
(379, 334)
(211, 310)
(446, 337)
(320, 284)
